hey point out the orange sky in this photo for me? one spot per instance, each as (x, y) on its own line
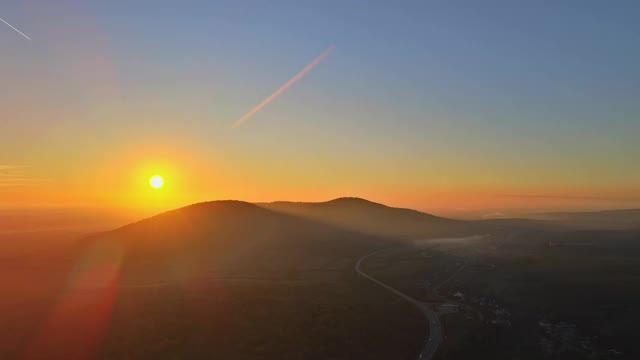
(103, 97)
(120, 180)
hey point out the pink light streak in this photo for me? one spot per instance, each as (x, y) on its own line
(284, 87)
(77, 323)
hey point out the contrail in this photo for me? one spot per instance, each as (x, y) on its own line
(18, 31)
(284, 87)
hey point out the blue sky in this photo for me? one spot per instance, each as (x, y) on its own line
(485, 87)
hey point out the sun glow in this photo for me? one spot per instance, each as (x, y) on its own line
(156, 181)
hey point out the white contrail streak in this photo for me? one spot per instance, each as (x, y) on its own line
(18, 31)
(284, 87)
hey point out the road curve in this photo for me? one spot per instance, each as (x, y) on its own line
(435, 328)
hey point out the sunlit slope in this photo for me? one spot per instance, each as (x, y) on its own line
(373, 218)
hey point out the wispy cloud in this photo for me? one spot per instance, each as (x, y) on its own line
(4, 185)
(18, 31)
(11, 167)
(284, 87)
(15, 176)
(572, 197)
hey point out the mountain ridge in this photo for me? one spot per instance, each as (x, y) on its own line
(373, 218)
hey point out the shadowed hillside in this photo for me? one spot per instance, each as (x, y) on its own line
(223, 279)
(225, 238)
(373, 218)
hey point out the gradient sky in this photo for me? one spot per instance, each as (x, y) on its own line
(428, 104)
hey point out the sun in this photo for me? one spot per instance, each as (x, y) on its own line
(156, 181)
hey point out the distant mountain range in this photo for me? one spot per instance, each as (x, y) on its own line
(234, 238)
(275, 240)
(606, 219)
(223, 223)
(372, 218)
(226, 239)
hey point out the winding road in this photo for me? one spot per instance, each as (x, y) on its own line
(435, 328)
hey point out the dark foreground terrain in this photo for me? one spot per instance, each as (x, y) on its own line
(234, 280)
(528, 295)
(215, 280)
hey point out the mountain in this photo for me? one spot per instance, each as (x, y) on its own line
(235, 280)
(519, 224)
(607, 219)
(225, 238)
(372, 218)
(222, 279)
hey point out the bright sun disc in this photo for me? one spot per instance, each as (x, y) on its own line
(156, 181)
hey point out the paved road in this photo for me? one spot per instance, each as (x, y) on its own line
(435, 328)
